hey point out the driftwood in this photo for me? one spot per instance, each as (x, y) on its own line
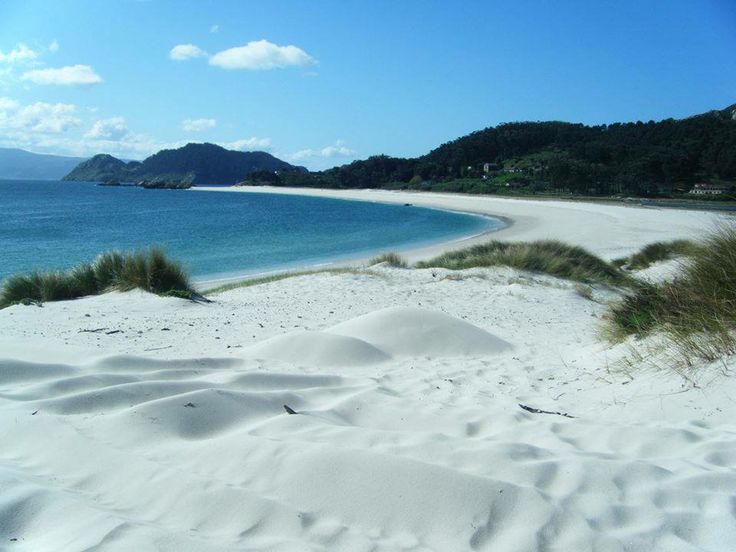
(539, 411)
(199, 298)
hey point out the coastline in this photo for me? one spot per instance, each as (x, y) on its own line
(610, 231)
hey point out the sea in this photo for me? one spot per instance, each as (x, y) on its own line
(49, 225)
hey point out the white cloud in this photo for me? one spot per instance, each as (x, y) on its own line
(112, 129)
(338, 149)
(249, 144)
(8, 104)
(37, 118)
(215, 29)
(197, 125)
(54, 47)
(71, 75)
(261, 55)
(56, 128)
(183, 52)
(21, 53)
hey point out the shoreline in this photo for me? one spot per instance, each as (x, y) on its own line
(524, 220)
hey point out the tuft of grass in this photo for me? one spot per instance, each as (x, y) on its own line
(164, 275)
(107, 268)
(134, 272)
(391, 259)
(82, 281)
(585, 291)
(149, 270)
(21, 288)
(661, 251)
(547, 257)
(696, 313)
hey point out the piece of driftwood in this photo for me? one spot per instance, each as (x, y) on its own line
(290, 410)
(199, 298)
(539, 411)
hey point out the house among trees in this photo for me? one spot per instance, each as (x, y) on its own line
(710, 189)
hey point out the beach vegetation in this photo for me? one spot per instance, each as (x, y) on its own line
(546, 257)
(391, 258)
(660, 251)
(696, 312)
(249, 282)
(149, 270)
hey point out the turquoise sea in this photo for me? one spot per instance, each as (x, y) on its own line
(55, 225)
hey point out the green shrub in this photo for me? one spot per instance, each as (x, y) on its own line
(391, 259)
(548, 257)
(148, 270)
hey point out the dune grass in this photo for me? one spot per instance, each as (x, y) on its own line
(696, 313)
(149, 270)
(660, 251)
(283, 276)
(391, 259)
(547, 257)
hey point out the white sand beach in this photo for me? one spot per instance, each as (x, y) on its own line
(136, 422)
(609, 230)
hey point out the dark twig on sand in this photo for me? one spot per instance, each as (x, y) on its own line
(539, 411)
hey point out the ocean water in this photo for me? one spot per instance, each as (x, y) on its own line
(55, 225)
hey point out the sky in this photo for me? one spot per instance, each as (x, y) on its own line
(320, 83)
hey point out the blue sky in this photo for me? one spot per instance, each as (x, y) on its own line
(321, 83)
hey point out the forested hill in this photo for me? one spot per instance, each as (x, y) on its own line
(198, 163)
(632, 158)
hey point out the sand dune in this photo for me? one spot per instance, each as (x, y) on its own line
(379, 336)
(171, 460)
(319, 349)
(169, 433)
(417, 332)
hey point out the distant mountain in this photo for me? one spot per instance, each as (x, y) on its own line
(24, 165)
(204, 163)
